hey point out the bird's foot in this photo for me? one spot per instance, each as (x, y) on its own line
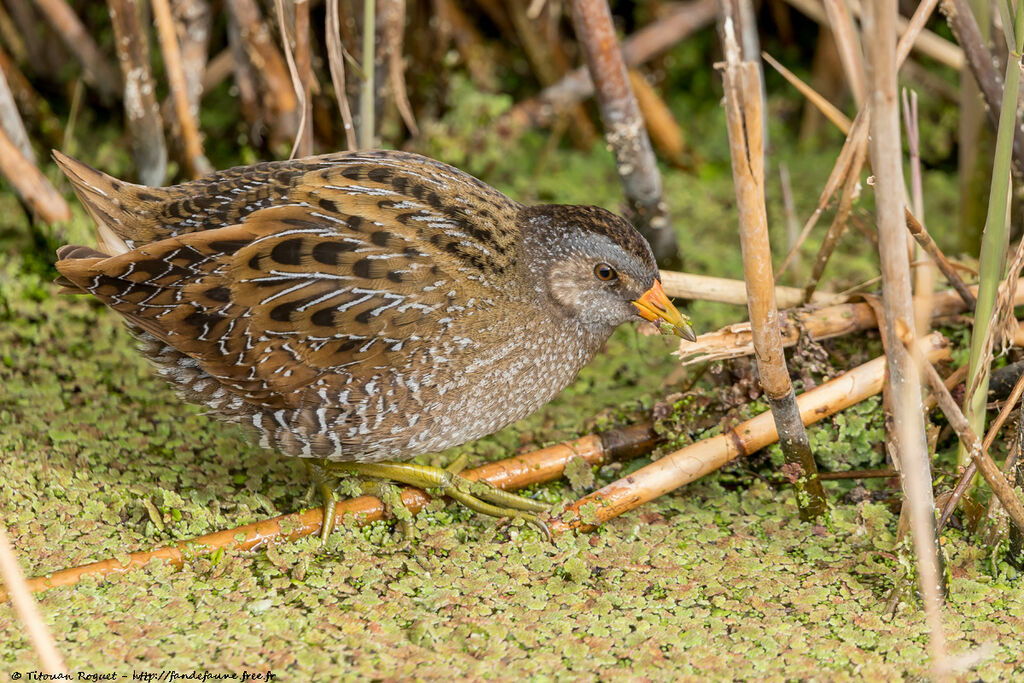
(475, 495)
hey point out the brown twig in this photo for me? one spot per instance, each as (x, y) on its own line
(193, 20)
(932, 249)
(546, 464)
(848, 41)
(98, 71)
(195, 161)
(666, 134)
(696, 460)
(858, 474)
(142, 113)
(30, 184)
(624, 128)
(744, 125)
(25, 606)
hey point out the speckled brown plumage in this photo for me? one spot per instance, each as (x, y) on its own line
(359, 306)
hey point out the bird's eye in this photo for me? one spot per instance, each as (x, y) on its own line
(602, 271)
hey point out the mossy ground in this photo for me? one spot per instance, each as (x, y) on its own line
(717, 580)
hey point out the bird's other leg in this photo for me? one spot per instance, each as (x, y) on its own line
(322, 481)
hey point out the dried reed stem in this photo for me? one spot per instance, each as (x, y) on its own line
(744, 121)
(20, 594)
(932, 249)
(367, 126)
(728, 291)
(304, 67)
(98, 71)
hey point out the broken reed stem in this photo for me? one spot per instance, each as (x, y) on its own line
(25, 606)
(744, 125)
(195, 161)
(336, 62)
(995, 243)
(624, 128)
(924, 276)
(368, 90)
(141, 110)
(977, 450)
(904, 375)
(920, 234)
(30, 184)
(544, 465)
(828, 110)
(696, 460)
(733, 341)
(728, 291)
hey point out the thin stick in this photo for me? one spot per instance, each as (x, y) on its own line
(142, 112)
(293, 71)
(195, 161)
(393, 19)
(367, 126)
(21, 595)
(546, 464)
(829, 110)
(336, 61)
(624, 128)
(904, 375)
(744, 120)
(696, 460)
(932, 249)
(859, 474)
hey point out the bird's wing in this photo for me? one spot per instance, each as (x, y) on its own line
(270, 305)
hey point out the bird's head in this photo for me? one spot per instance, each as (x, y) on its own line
(594, 267)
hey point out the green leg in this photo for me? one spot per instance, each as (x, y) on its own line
(322, 481)
(477, 496)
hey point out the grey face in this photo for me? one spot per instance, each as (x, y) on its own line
(590, 264)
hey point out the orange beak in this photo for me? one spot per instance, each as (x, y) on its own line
(655, 306)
